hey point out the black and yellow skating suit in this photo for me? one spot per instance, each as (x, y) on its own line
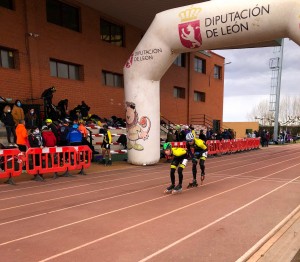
(106, 140)
(200, 152)
(180, 160)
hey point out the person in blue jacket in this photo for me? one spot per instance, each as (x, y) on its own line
(74, 136)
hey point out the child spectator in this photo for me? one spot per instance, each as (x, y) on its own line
(48, 137)
(36, 141)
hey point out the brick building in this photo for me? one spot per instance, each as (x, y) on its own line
(81, 50)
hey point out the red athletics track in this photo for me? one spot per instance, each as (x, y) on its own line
(120, 213)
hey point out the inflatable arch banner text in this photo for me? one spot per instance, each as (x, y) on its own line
(210, 25)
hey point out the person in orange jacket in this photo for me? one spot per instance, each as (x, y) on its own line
(22, 136)
(82, 129)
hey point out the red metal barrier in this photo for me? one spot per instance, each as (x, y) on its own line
(213, 147)
(84, 158)
(51, 159)
(234, 146)
(11, 163)
(225, 146)
(256, 142)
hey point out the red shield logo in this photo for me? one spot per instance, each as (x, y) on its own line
(190, 34)
(129, 61)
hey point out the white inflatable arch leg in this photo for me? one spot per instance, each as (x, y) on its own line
(211, 25)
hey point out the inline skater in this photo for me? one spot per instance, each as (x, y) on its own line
(200, 153)
(107, 140)
(179, 162)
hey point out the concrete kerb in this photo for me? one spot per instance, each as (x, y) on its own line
(264, 245)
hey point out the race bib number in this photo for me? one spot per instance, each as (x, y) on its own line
(204, 154)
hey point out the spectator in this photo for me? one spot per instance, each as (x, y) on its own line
(31, 119)
(177, 133)
(22, 136)
(74, 136)
(192, 129)
(49, 140)
(84, 109)
(267, 138)
(63, 107)
(35, 138)
(82, 129)
(9, 123)
(36, 141)
(48, 137)
(47, 95)
(202, 136)
(170, 136)
(18, 112)
(78, 115)
(63, 133)
(51, 126)
(263, 138)
(182, 134)
(84, 132)
(123, 140)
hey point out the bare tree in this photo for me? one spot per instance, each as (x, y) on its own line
(289, 112)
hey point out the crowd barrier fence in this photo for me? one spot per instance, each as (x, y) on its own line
(38, 161)
(11, 164)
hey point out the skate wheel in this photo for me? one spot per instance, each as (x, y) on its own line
(176, 192)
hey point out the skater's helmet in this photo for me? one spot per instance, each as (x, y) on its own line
(167, 146)
(189, 137)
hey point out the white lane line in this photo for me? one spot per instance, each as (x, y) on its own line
(71, 187)
(99, 200)
(137, 169)
(171, 212)
(96, 201)
(212, 223)
(93, 191)
(100, 173)
(84, 193)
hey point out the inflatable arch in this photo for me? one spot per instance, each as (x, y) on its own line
(210, 25)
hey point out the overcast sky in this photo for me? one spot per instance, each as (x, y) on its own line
(248, 78)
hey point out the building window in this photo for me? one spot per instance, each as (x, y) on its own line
(7, 58)
(63, 14)
(180, 60)
(217, 72)
(199, 96)
(112, 79)
(199, 65)
(111, 33)
(179, 92)
(64, 70)
(7, 4)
